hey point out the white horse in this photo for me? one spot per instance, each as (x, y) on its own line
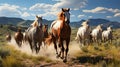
(107, 34)
(83, 33)
(97, 34)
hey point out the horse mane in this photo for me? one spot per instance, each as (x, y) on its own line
(109, 28)
(85, 23)
(61, 16)
(35, 24)
(98, 27)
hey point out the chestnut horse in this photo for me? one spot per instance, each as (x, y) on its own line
(18, 37)
(45, 31)
(8, 37)
(34, 35)
(61, 31)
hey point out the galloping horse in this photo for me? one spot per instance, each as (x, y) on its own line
(34, 35)
(8, 37)
(107, 34)
(83, 33)
(97, 34)
(18, 37)
(61, 31)
(45, 31)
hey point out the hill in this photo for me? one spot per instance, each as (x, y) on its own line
(95, 22)
(26, 23)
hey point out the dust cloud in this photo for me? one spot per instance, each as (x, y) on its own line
(46, 51)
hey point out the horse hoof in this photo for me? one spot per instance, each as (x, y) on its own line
(57, 56)
(62, 57)
(64, 60)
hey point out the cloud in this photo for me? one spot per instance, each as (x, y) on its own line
(40, 7)
(108, 16)
(117, 15)
(102, 10)
(96, 10)
(90, 16)
(73, 4)
(25, 14)
(80, 16)
(9, 10)
(72, 15)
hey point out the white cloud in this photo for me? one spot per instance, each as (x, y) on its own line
(25, 14)
(108, 16)
(73, 4)
(117, 15)
(53, 9)
(90, 16)
(41, 6)
(96, 10)
(72, 15)
(9, 10)
(80, 16)
(102, 10)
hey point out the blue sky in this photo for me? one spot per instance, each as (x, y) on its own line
(48, 9)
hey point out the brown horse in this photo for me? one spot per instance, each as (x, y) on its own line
(18, 37)
(45, 31)
(34, 35)
(61, 31)
(8, 37)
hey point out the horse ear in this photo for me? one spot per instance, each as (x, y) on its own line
(68, 9)
(63, 9)
(36, 16)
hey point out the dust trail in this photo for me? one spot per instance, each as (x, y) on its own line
(48, 51)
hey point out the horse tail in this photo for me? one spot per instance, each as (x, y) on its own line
(49, 40)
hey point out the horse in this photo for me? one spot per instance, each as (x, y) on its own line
(45, 31)
(61, 31)
(83, 33)
(97, 34)
(34, 35)
(8, 37)
(107, 34)
(18, 37)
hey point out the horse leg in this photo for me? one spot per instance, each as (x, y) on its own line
(62, 49)
(67, 49)
(80, 40)
(39, 44)
(55, 45)
(30, 43)
(35, 46)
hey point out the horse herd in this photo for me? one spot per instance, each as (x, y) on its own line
(60, 31)
(85, 35)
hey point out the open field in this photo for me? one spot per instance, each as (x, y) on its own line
(104, 55)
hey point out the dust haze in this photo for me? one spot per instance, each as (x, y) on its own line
(46, 51)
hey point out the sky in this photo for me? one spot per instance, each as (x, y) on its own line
(48, 9)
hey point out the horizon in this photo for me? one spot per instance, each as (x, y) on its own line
(48, 9)
(71, 21)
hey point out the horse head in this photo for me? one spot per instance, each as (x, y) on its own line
(37, 22)
(19, 30)
(109, 28)
(65, 15)
(99, 27)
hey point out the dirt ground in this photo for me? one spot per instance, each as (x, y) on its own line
(49, 52)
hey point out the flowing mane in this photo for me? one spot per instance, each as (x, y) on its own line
(61, 16)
